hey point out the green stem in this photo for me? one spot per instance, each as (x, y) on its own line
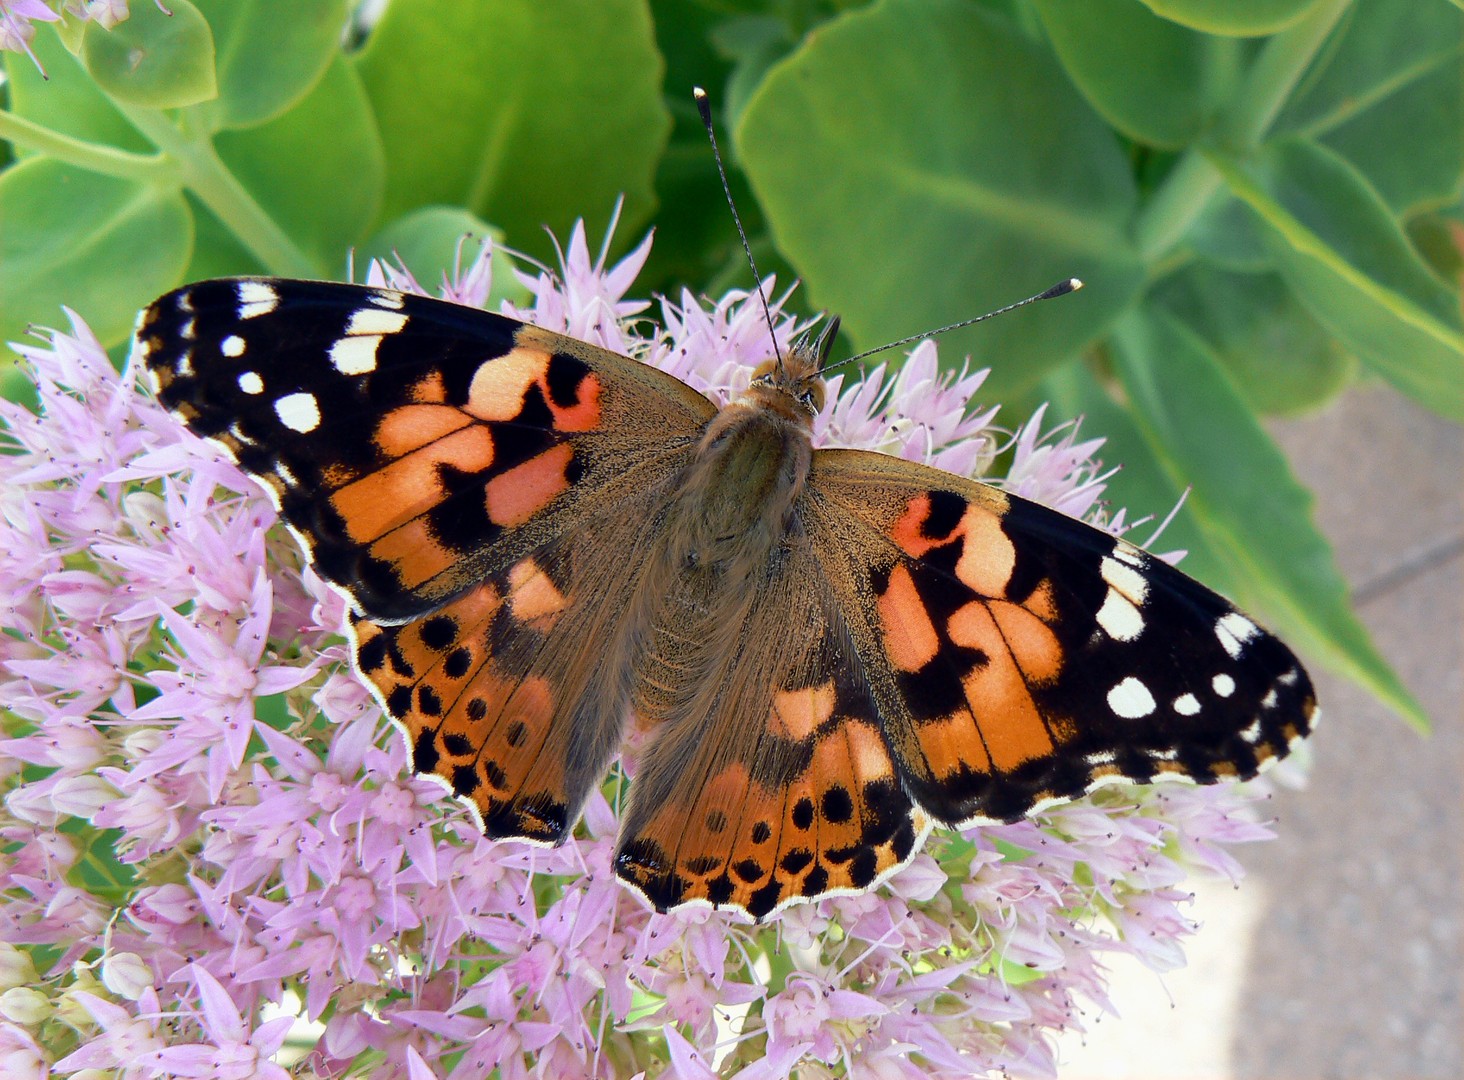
(780, 965)
(1275, 73)
(1173, 208)
(94, 157)
(1269, 83)
(219, 189)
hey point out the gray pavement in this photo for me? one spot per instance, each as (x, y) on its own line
(1339, 957)
(1355, 964)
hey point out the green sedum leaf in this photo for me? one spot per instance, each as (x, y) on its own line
(943, 220)
(154, 60)
(108, 246)
(318, 170)
(268, 58)
(217, 252)
(1241, 18)
(526, 114)
(1142, 486)
(1255, 515)
(1412, 148)
(1345, 257)
(65, 99)
(1280, 359)
(1380, 47)
(1388, 95)
(1158, 82)
(1230, 234)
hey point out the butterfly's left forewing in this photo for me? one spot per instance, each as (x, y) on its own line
(416, 446)
(1020, 657)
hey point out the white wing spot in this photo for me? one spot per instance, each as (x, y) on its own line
(1289, 679)
(184, 366)
(375, 321)
(1252, 733)
(256, 298)
(1269, 701)
(299, 412)
(187, 330)
(1125, 579)
(1131, 699)
(233, 345)
(251, 383)
(387, 299)
(354, 355)
(1119, 618)
(1234, 630)
(1224, 685)
(1186, 705)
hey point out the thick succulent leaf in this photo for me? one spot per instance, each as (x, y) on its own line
(268, 59)
(1241, 18)
(318, 169)
(943, 220)
(1279, 357)
(65, 98)
(1380, 47)
(527, 115)
(1155, 80)
(1343, 254)
(155, 59)
(103, 246)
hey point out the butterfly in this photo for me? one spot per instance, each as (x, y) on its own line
(831, 650)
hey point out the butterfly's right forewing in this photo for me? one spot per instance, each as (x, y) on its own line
(1020, 657)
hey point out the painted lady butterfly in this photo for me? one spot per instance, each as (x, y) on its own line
(834, 649)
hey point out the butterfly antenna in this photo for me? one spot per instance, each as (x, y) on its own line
(1062, 288)
(704, 106)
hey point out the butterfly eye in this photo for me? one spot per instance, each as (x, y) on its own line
(806, 400)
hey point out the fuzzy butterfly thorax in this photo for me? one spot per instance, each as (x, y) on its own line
(832, 650)
(738, 495)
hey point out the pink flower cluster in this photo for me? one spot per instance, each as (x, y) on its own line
(215, 861)
(18, 19)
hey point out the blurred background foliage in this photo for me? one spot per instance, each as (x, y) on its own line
(1263, 197)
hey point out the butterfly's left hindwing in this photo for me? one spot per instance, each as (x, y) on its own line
(1020, 657)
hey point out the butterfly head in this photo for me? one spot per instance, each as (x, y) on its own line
(793, 383)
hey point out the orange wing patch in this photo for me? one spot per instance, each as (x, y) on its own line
(513, 497)
(499, 389)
